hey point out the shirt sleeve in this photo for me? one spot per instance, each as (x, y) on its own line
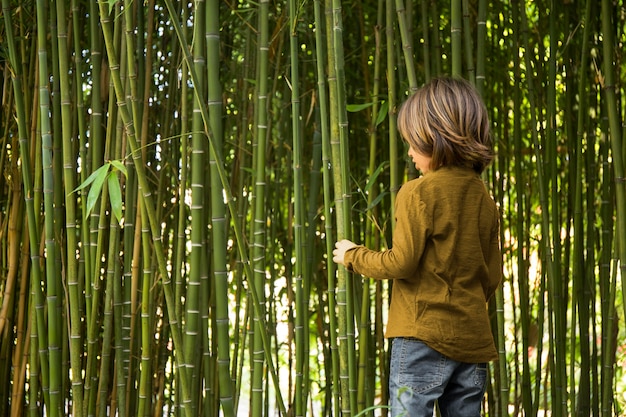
(494, 261)
(409, 237)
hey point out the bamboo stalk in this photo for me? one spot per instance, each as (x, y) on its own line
(219, 223)
(49, 346)
(456, 19)
(69, 171)
(407, 44)
(581, 393)
(259, 197)
(617, 157)
(332, 370)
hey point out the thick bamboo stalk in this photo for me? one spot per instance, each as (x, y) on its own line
(193, 338)
(407, 45)
(456, 45)
(581, 393)
(52, 348)
(468, 44)
(298, 208)
(321, 51)
(341, 169)
(219, 224)
(259, 200)
(69, 182)
(557, 290)
(617, 157)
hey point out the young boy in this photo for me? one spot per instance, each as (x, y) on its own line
(445, 260)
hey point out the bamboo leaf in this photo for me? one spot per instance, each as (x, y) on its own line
(353, 108)
(111, 4)
(382, 113)
(377, 200)
(120, 167)
(100, 172)
(96, 187)
(372, 179)
(115, 195)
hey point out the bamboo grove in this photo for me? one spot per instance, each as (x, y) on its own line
(175, 175)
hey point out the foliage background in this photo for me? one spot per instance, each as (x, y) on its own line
(176, 173)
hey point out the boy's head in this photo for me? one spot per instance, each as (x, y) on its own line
(447, 121)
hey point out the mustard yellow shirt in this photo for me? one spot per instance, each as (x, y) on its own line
(445, 262)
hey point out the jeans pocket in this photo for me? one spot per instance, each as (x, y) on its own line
(480, 374)
(417, 366)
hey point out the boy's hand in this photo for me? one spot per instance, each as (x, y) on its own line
(340, 250)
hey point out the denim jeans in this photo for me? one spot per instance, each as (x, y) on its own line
(420, 376)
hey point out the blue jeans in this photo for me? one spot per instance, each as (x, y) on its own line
(420, 376)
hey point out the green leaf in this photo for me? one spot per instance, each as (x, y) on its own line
(97, 173)
(120, 167)
(377, 200)
(96, 187)
(111, 5)
(372, 179)
(358, 107)
(382, 113)
(115, 195)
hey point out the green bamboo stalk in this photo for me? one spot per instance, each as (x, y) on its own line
(197, 273)
(113, 129)
(366, 389)
(145, 377)
(592, 165)
(37, 331)
(82, 123)
(468, 45)
(185, 137)
(395, 169)
(69, 172)
(89, 224)
(581, 395)
(604, 279)
(258, 231)
(218, 220)
(120, 325)
(240, 181)
(456, 19)
(618, 155)
(481, 37)
(395, 178)
(407, 45)
(298, 208)
(521, 229)
(127, 287)
(543, 196)
(332, 371)
(426, 38)
(54, 338)
(105, 354)
(341, 169)
(559, 304)
(436, 48)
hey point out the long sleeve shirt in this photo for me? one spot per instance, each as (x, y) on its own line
(445, 262)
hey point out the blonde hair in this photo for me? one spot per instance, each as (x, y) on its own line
(447, 121)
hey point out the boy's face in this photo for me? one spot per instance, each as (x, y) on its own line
(421, 161)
